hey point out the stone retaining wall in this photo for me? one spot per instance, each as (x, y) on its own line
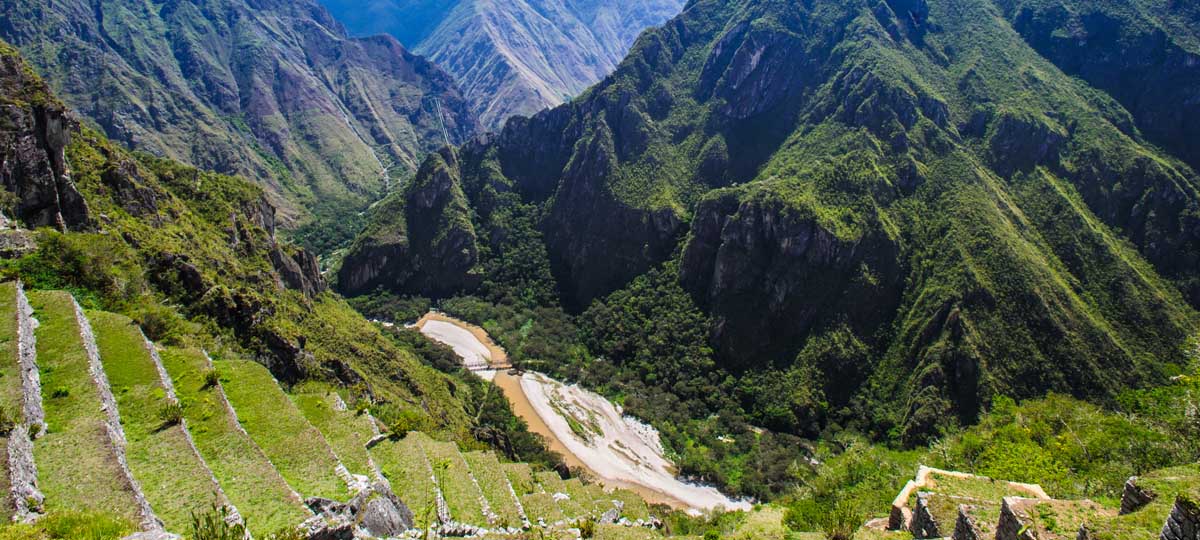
(112, 424)
(22, 469)
(1184, 521)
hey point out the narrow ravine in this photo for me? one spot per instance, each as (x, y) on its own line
(589, 431)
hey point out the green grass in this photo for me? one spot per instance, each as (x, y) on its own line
(635, 506)
(489, 473)
(619, 532)
(586, 497)
(346, 432)
(249, 480)
(70, 525)
(541, 506)
(77, 470)
(297, 449)
(460, 492)
(10, 384)
(520, 475)
(764, 523)
(1148, 521)
(552, 483)
(404, 465)
(173, 479)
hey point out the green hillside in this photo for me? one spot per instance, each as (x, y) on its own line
(874, 215)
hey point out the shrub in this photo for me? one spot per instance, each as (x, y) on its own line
(587, 528)
(60, 392)
(842, 521)
(7, 421)
(171, 414)
(214, 525)
(212, 378)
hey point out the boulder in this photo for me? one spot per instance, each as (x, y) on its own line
(375, 511)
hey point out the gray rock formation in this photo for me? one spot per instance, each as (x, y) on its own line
(374, 512)
(33, 164)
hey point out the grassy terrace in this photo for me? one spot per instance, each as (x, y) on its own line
(590, 497)
(245, 474)
(520, 475)
(494, 484)
(10, 384)
(403, 463)
(1148, 521)
(635, 506)
(77, 470)
(175, 482)
(454, 477)
(1060, 520)
(541, 506)
(345, 431)
(297, 449)
(618, 532)
(552, 483)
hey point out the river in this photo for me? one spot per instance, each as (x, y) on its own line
(590, 432)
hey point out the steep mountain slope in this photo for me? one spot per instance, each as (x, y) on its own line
(191, 255)
(512, 57)
(901, 204)
(271, 90)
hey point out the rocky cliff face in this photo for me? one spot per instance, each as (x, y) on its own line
(271, 90)
(513, 57)
(770, 274)
(36, 132)
(421, 241)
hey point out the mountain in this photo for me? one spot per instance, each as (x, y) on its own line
(272, 90)
(890, 211)
(512, 57)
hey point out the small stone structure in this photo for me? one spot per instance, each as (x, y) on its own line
(1184, 521)
(1134, 497)
(901, 516)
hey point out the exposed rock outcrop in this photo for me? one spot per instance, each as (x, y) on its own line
(596, 241)
(33, 164)
(769, 273)
(421, 241)
(374, 512)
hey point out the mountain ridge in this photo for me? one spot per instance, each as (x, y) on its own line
(513, 57)
(899, 202)
(271, 90)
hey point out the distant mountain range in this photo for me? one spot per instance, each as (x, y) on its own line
(512, 57)
(270, 89)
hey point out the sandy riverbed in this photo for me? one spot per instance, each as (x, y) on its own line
(615, 450)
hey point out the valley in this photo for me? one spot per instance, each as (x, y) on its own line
(589, 431)
(722, 269)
